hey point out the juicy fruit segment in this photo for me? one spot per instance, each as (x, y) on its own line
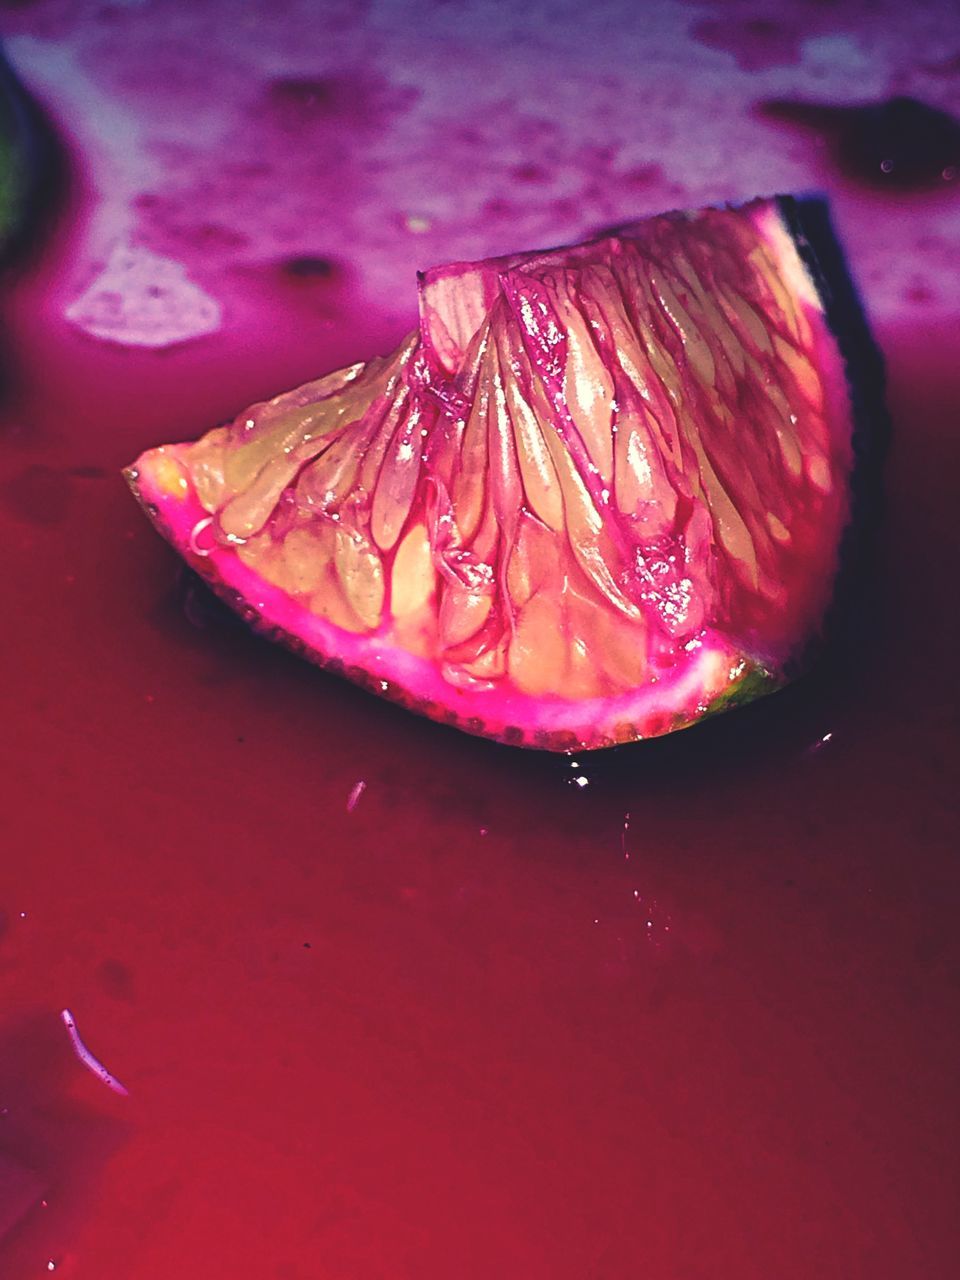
(595, 493)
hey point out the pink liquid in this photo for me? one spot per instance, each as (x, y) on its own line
(695, 1018)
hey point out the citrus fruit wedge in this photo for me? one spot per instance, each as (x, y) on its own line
(597, 494)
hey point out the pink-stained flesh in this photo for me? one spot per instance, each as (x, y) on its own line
(597, 489)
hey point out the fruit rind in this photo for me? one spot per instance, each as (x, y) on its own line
(808, 222)
(721, 679)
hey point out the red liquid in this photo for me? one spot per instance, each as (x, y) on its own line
(458, 1030)
(697, 1018)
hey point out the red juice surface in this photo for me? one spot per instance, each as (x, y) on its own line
(687, 1009)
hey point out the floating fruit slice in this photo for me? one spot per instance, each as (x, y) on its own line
(597, 494)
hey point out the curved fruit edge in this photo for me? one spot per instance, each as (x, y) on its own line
(808, 222)
(724, 678)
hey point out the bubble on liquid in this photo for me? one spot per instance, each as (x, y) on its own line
(201, 541)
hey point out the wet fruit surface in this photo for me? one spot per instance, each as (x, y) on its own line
(685, 1010)
(596, 495)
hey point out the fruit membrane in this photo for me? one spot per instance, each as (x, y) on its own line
(597, 494)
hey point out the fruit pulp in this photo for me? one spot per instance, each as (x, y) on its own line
(598, 494)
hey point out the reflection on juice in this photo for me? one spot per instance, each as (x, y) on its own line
(687, 1009)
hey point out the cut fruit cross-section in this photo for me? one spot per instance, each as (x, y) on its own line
(599, 493)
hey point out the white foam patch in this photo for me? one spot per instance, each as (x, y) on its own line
(141, 299)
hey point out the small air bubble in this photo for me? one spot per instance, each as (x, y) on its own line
(819, 744)
(196, 533)
(886, 166)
